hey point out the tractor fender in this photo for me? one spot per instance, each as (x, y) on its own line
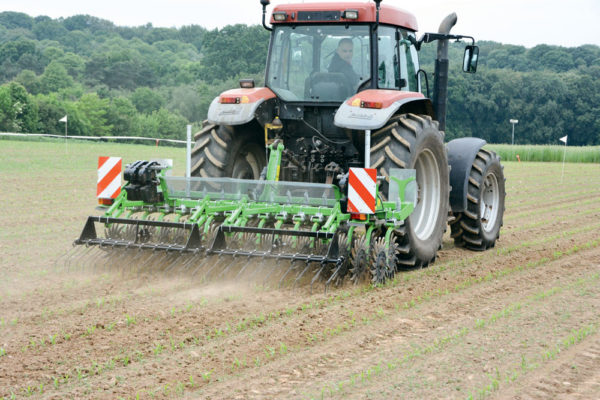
(461, 155)
(352, 115)
(237, 106)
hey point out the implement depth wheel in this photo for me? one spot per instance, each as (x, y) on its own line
(415, 142)
(222, 152)
(478, 227)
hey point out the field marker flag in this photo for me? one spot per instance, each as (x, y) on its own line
(564, 140)
(361, 190)
(109, 177)
(63, 119)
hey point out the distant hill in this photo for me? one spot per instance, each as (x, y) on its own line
(153, 81)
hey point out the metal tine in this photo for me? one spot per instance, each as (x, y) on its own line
(176, 257)
(248, 262)
(317, 275)
(260, 268)
(275, 267)
(334, 275)
(292, 266)
(81, 257)
(197, 255)
(76, 254)
(301, 274)
(154, 260)
(224, 271)
(88, 258)
(215, 265)
(202, 263)
(62, 260)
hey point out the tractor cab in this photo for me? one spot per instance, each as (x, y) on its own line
(327, 56)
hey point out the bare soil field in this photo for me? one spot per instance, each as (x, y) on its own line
(518, 321)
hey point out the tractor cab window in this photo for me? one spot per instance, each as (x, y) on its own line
(388, 69)
(398, 62)
(318, 63)
(409, 61)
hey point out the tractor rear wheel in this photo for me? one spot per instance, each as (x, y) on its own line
(414, 142)
(478, 227)
(221, 152)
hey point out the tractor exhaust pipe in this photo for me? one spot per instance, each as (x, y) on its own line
(440, 82)
(264, 4)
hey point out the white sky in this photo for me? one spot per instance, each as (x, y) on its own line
(524, 22)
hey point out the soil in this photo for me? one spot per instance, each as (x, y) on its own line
(520, 320)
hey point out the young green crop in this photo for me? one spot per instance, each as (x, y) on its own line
(553, 153)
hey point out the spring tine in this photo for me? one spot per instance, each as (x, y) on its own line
(189, 261)
(259, 269)
(175, 260)
(202, 263)
(81, 256)
(224, 271)
(292, 265)
(317, 276)
(65, 256)
(334, 275)
(246, 264)
(274, 267)
(76, 254)
(301, 274)
(215, 265)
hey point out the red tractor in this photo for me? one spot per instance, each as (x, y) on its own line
(344, 89)
(358, 182)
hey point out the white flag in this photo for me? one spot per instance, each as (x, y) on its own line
(63, 119)
(562, 139)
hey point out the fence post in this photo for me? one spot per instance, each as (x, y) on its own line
(188, 159)
(188, 164)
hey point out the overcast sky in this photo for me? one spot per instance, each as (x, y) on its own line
(524, 22)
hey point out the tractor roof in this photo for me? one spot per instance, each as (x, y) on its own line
(332, 12)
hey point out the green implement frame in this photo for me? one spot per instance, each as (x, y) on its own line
(268, 219)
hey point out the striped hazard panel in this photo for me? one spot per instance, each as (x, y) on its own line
(109, 177)
(361, 190)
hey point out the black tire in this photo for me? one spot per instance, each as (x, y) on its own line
(415, 142)
(222, 152)
(478, 227)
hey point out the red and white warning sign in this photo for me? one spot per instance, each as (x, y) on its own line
(109, 177)
(361, 190)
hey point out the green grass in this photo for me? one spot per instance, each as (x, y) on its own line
(24, 156)
(585, 154)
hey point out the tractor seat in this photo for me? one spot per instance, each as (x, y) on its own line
(326, 86)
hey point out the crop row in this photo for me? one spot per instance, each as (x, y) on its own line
(237, 363)
(442, 343)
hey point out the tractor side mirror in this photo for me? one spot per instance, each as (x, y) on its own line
(470, 59)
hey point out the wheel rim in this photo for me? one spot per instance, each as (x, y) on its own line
(490, 202)
(246, 166)
(425, 216)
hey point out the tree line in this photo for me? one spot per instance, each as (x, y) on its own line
(150, 81)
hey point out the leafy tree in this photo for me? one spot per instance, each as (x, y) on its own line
(233, 50)
(29, 80)
(12, 20)
(121, 114)
(18, 113)
(49, 29)
(146, 100)
(14, 50)
(54, 78)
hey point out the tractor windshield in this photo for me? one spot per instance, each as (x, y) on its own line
(318, 63)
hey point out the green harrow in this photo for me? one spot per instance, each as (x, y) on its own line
(221, 226)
